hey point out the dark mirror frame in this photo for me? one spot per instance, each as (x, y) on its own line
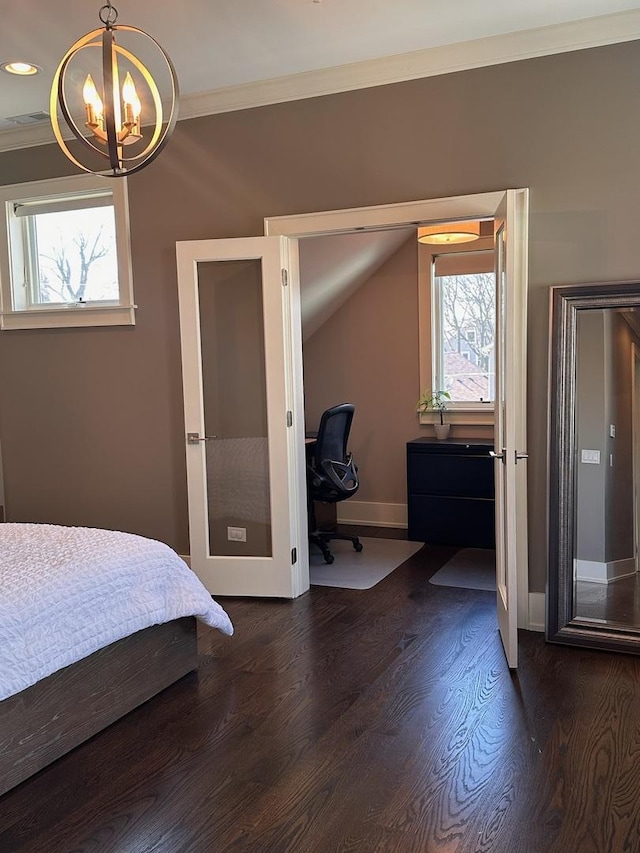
(562, 626)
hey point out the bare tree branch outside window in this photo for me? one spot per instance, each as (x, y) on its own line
(76, 256)
(72, 287)
(468, 330)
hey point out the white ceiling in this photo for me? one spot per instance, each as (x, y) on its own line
(235, 43)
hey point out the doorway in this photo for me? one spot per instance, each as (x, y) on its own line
(509, 206)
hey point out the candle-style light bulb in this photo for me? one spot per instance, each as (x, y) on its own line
(93, 102)
(132, 105)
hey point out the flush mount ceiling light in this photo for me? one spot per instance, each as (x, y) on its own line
(113, 116)
(449, 232)
(21, 69)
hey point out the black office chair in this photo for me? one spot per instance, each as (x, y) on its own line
(332, 475)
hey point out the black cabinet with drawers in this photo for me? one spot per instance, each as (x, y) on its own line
(450, 492)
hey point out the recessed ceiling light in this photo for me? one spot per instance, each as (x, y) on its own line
(22, 69)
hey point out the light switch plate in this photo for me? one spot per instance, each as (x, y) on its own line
(590, 457)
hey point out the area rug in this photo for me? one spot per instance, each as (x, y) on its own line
(359, 569)
(470, 568)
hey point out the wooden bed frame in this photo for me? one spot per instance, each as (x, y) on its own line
(60, 712)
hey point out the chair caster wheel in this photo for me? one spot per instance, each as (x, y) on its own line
(359, 546)
(329, 559)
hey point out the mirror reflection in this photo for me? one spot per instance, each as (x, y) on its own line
(605, 562)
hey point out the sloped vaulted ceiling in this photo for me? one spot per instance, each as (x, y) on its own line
(333, 267)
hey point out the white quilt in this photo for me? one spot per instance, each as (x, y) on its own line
(66, 592)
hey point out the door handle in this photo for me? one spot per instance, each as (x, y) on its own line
(520, 454)
(495, 455)
(195, 438)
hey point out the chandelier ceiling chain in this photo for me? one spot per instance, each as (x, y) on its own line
(111, 17)
(113, 115)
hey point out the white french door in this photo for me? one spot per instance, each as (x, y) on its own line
(510, 415)
(244, 433)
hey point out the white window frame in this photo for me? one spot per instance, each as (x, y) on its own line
(430, 332)
(120, 312)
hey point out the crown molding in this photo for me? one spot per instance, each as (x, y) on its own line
(431, 62)
(26, 137)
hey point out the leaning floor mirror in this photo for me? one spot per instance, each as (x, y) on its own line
(593, 594)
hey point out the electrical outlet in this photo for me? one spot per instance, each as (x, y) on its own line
(237, 534)
(591, 457)
(612, 430)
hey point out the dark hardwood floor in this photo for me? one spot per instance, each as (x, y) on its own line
(617, 603)
(379, 720)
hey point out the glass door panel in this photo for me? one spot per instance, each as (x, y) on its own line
(234, 393)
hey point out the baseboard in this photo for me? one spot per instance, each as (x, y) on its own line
(372, 514)
(537, 611)
(598, 572)
(592, 571)
(186, 558)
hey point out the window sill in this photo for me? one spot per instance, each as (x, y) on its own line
(69, 318)
(469, 416)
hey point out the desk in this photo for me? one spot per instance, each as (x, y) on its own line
(450, 492)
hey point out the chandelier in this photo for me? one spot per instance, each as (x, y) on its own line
(113, 115)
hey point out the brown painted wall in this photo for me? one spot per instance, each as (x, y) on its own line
(367, 354)
(91, 420)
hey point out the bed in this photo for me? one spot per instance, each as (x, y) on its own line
(92, 624)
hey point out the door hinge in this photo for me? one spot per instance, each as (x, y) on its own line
(289, 418)
(294, 556)
(285, 278)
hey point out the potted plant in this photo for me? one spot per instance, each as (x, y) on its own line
(437, 401)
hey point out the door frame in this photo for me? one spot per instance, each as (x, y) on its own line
(403, 214)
